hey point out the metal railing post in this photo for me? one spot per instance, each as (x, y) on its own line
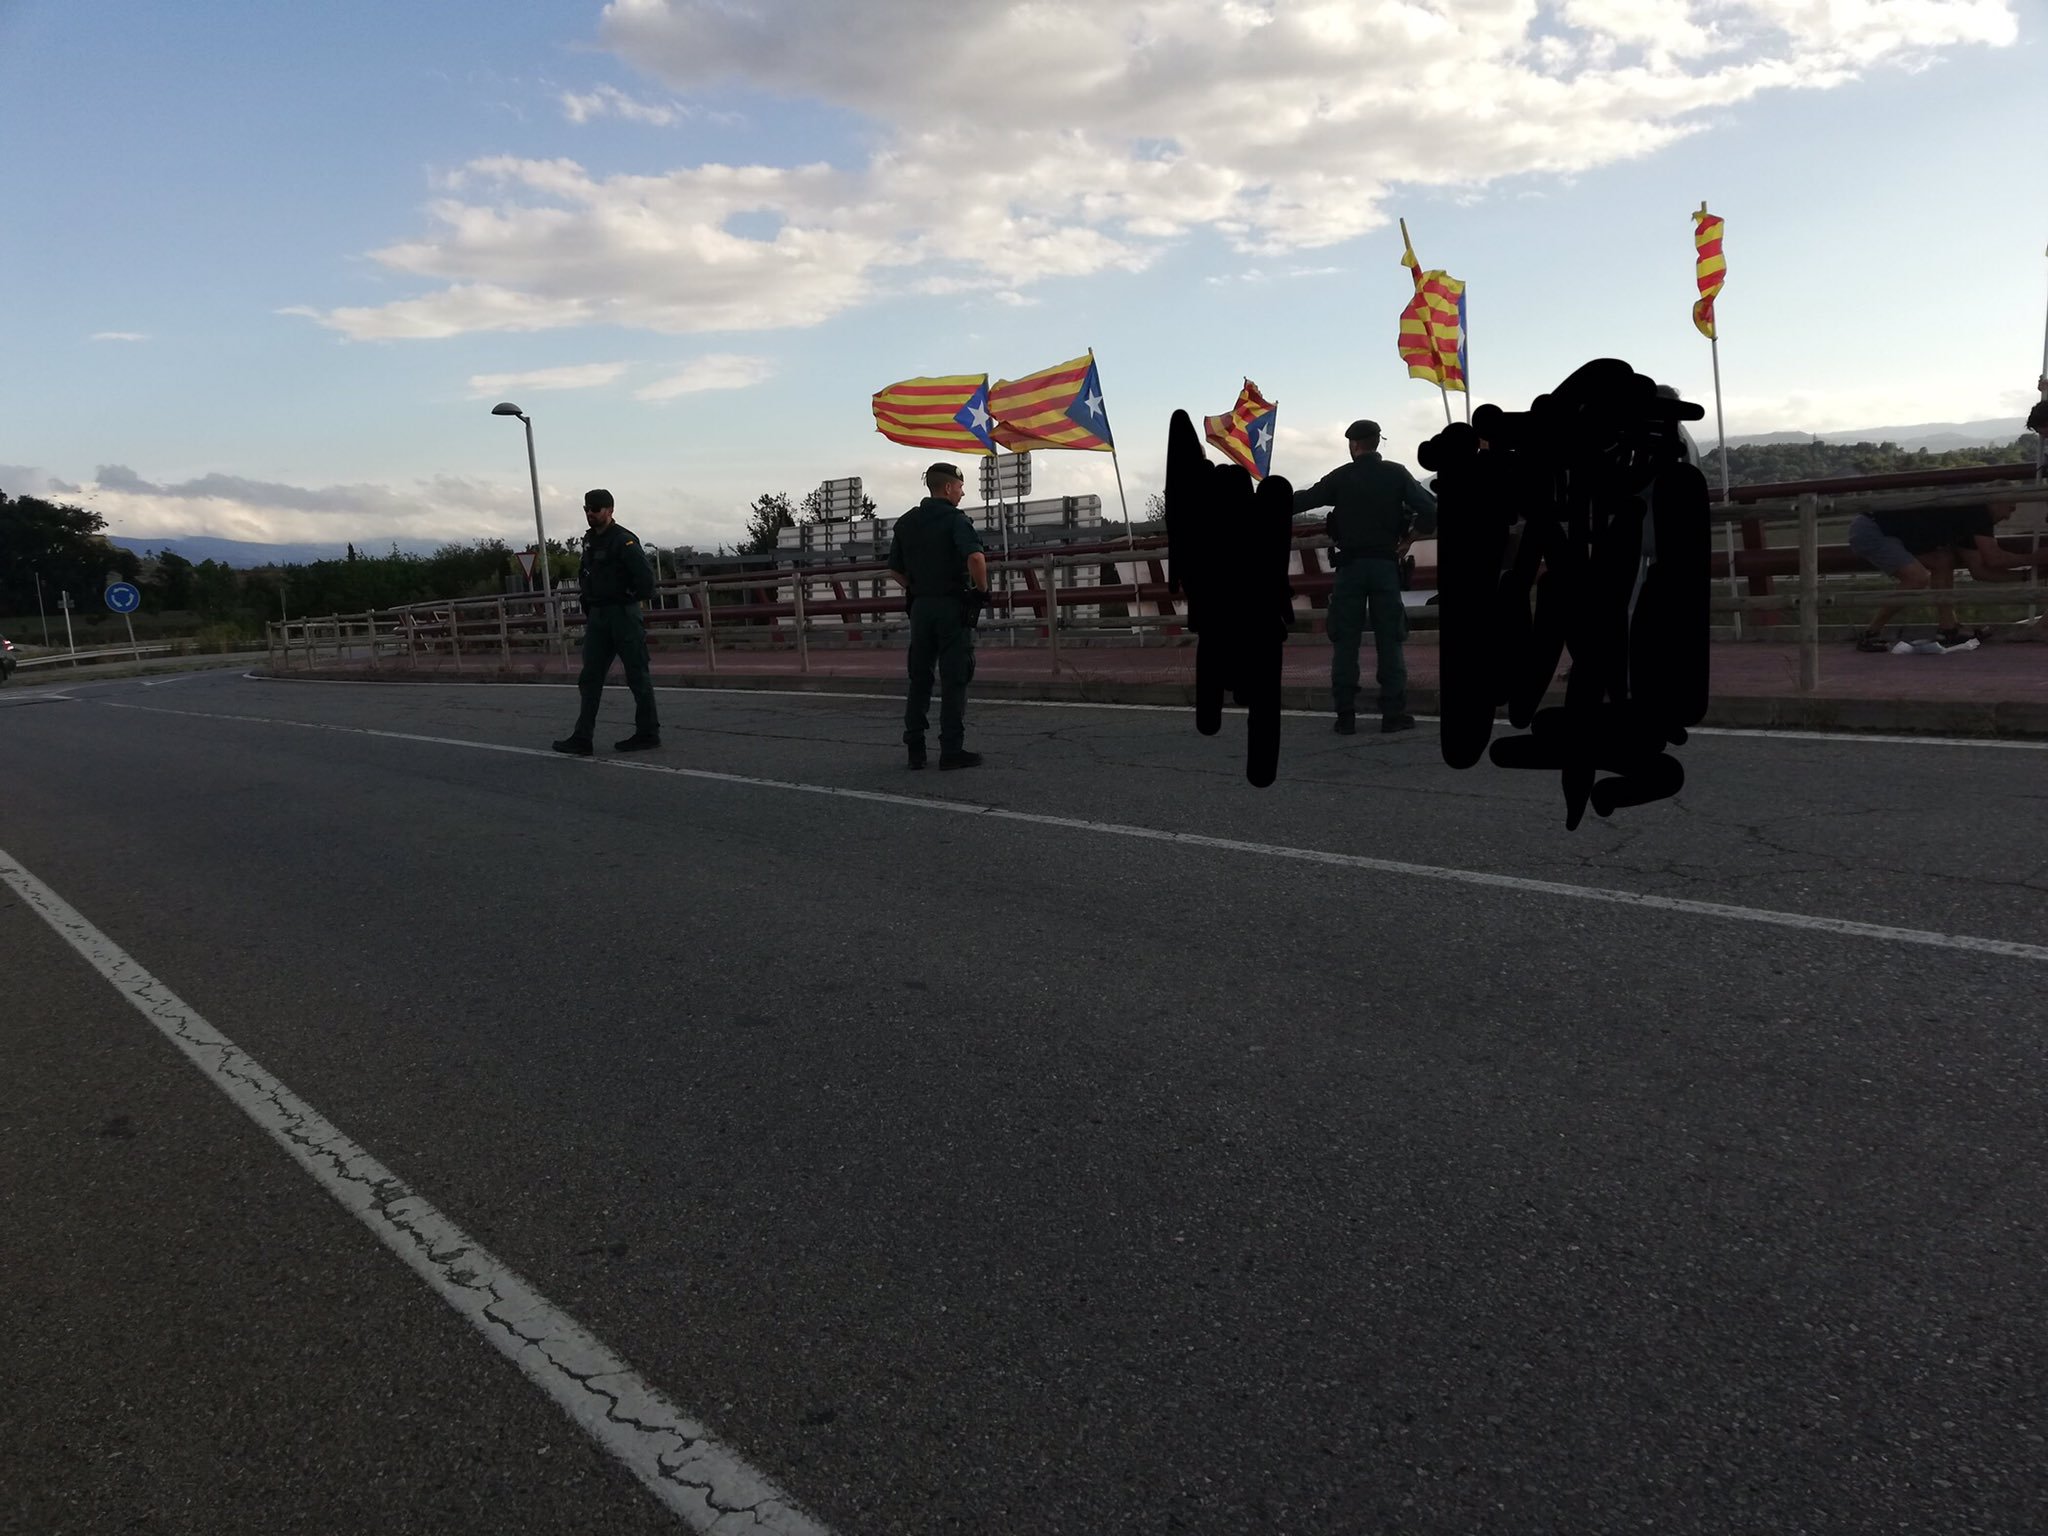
(455, 631)
(504, 636)
(411, 641)
(803, 644)
(1734, 585)
(370, 629)
(1052, 608)
(704, 617)
(1809, 592)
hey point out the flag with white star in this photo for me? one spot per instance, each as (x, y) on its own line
(950, 414)
(1246, 433)
(1057, 407)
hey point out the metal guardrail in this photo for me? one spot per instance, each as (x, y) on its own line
(102, 653)
(755, 615)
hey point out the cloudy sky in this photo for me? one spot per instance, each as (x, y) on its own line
(271, 265)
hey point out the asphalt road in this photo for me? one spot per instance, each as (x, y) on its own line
(1024, 1171)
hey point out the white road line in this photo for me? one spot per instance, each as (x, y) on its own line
(710, 1487)
(1839, 738)
(1799, 920)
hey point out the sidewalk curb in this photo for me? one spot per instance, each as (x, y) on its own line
(1899, 717)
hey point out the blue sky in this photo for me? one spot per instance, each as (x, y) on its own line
(272, 265)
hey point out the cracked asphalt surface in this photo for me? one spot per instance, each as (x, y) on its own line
(989, 1176)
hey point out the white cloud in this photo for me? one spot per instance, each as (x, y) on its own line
(609, 101)
(575, 376)
(716, 371)
(441, 508)
(1064, 138)
(120, 336)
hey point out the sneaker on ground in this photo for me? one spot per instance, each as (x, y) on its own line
(1870, 642)
(637, 743)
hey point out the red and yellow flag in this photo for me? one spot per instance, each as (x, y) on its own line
(1246, 433)
(949, 414)
(1432, 337)
(1711, 269)
(1057, 407)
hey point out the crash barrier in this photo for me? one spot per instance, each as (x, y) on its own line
(1062, 595)
(99, 653)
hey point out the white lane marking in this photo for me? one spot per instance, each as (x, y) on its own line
(674, 1456)
(1844, 738)
(1799, 920)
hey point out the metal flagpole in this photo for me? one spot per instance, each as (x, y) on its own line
(2041, 438)
(1130, 538)
(1720, 426)
(1465, 353)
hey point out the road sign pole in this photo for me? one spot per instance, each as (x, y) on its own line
(125, 619)
(64, 602)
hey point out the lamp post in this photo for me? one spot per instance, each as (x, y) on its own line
(547, 586)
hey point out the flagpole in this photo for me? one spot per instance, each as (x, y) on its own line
(1720, 425)
(1465, 353)
(2041, 438)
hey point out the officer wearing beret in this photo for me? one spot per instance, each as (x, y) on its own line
(615, 579)
(1375, 507)
(936, 556)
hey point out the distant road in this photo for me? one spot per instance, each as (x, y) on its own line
(1068, 1146)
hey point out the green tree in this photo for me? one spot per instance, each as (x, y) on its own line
(769, 515)
(171, 585)
(62, 544)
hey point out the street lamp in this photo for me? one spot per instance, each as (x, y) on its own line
(547, 586)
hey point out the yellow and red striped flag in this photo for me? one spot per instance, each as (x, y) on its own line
(1246, 433)
(1711, 269)
(949, 414)
(1057, 407)
(1432, 337)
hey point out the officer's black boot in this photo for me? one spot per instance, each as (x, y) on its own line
(959, 759)
(639, 741)
(916, 753)
(575, 746)
(1397, 722)
(1347, 723)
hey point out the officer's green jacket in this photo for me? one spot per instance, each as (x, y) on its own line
(930, 548)
(1371, 503)
(614, 568)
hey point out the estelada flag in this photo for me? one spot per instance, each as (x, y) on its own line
(1057, 407)
(1246, 433)
(949, 414)
(1710, 268)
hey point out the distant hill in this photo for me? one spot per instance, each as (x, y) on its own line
(245, 556)
(1934, 436)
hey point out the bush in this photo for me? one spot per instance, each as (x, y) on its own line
(222, 638)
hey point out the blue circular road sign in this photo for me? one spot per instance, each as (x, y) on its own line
(122, 597)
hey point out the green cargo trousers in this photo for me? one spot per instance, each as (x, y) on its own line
(939, 637)
(616, 629)
(1364, 585)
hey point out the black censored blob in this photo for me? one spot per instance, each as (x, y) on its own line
(1614, 546)
(1227, 548)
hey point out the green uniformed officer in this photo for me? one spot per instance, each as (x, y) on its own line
(615, 579)
(1371, 506)
(936, 556)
